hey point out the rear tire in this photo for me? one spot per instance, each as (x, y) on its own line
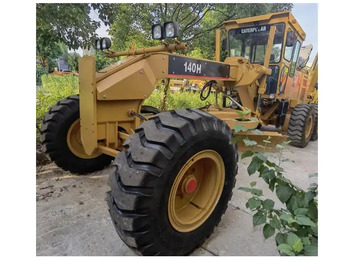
(53, 136)
(146, 172)
(301, 125)
(314, 135)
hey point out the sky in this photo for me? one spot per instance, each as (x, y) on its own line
(306, 15)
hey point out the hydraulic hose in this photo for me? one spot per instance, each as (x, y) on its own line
(207, 85)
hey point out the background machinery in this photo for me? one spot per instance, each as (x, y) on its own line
(175, 170)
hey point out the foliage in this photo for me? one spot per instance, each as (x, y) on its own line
(59, 26)
(66, 23)
(155, 99)
(102, 61)
(178, 100)
(47, 59)
(297, 224)
(132, 27)
(198, 21)
(72, 61)
(47, 55)
(39, 72)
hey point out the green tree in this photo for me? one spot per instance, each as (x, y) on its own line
(66, 23)
(71, 24)
(72, 61)
(60, 27)
(132, 26)
(102, 61)
(47, 58)
(47, 55)
(133, 22)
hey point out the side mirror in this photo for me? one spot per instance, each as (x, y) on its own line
(291, 38)
(224, 44)
(304, 56)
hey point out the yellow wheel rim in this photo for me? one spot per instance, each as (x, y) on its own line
(309, 124)
(196, 191)
(74, 142)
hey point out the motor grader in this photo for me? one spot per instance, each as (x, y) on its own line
(175, 170)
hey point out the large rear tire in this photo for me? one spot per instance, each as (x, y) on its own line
(173, 182)
(60, 138)
(314, 135)
(301, 125)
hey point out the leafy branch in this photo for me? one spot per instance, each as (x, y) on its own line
(296, 226)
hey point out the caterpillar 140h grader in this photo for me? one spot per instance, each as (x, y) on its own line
(175, 170)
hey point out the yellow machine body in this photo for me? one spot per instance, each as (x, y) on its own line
(110, 98)
(292, 84)
(313, 78)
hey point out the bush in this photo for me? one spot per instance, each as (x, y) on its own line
(40, 71)
(155, 99)
(178, 100)
(296, 225)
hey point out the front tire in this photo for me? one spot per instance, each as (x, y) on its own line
(178, 153)
(301, 125)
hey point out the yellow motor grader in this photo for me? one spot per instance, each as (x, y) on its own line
(175, 170)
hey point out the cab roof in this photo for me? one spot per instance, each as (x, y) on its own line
(285, 16)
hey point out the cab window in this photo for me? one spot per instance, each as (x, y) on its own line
(295, 58)
(251, 42)
(288, 51)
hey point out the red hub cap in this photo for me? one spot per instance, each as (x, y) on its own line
(191, 185)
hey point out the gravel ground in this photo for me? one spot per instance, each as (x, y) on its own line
(72, 217)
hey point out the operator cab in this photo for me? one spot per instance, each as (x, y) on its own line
(250, 43)
(248, 38)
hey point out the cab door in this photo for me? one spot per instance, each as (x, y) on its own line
(289, 77)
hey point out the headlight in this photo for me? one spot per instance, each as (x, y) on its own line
(157, 32)
(98, 44)
(103, 43)
(171, 29)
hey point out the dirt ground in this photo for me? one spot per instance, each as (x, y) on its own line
(72, 216)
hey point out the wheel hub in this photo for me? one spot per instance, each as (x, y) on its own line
(309, 125)
(190, 185)
(196, 190)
